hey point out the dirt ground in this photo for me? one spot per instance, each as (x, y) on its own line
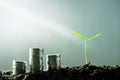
(86, 72)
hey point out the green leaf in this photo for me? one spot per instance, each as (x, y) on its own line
(93, 37)
(79, 35)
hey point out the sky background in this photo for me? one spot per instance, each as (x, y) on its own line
(49, 24)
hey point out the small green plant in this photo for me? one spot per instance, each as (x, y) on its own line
(85, 42)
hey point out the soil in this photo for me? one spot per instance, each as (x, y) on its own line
(86, 72)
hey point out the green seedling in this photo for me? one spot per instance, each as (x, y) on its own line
(85, 42)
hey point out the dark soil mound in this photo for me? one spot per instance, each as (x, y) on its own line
(86, 72)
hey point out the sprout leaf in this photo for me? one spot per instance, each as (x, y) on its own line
(80, 36)
(93, 37)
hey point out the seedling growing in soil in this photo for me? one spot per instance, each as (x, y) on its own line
(85, 42)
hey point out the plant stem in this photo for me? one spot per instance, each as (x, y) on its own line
(86, 53)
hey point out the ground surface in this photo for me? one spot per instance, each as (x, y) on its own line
(86, 72)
